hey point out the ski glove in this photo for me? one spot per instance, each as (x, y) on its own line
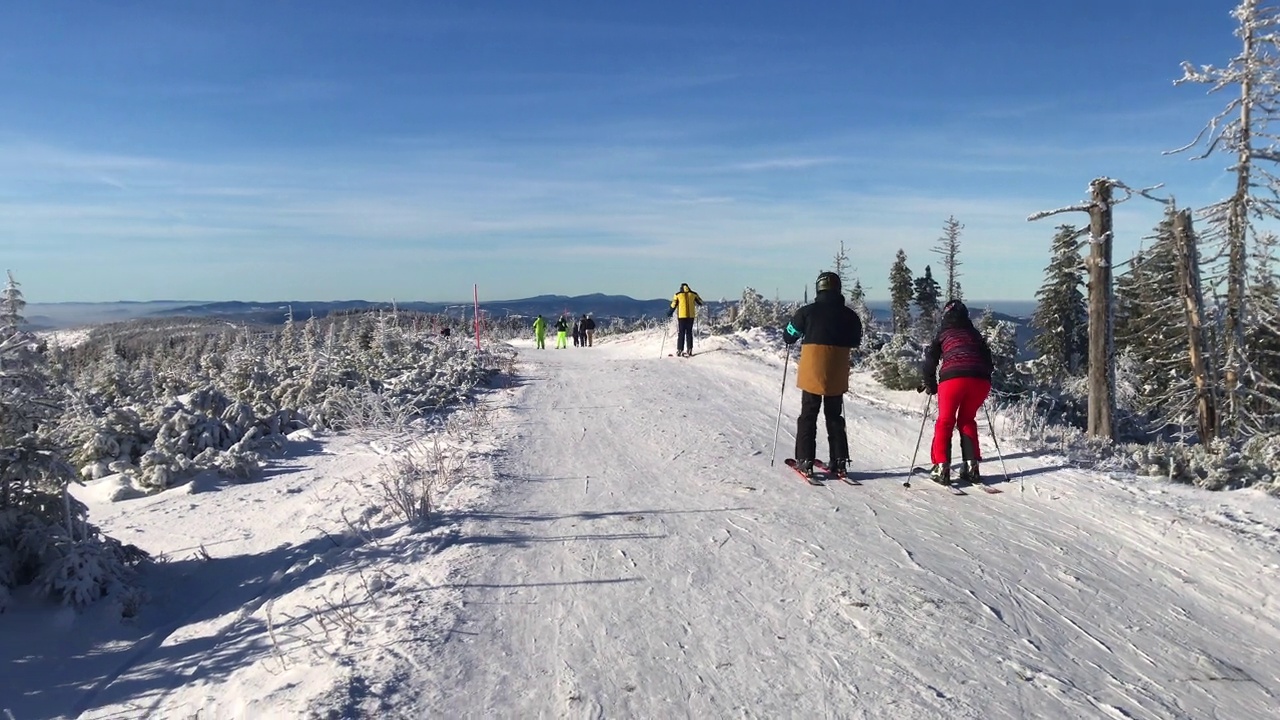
(928, 387)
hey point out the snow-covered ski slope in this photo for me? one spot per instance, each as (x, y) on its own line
(643, 560)
(623, 549)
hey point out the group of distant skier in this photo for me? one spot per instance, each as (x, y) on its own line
(584, 331)
(957, 369)
(684, 306)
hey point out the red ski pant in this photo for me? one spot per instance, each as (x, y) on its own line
(958, 402)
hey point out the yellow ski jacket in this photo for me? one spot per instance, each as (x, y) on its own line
(684, 301)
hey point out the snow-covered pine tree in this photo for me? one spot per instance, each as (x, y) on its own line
(754, 311)
(1062, 315)
(927, 298)
(1262, 337)
(901, 292)
(45, 537)
(857, 295)
(1002, 337)
(1243, 131)
(12, 305)
(1151, 335)
(858, 301)
(949, 248)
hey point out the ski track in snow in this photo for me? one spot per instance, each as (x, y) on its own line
(624, 549)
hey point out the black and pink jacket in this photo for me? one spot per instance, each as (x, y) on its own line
(960, 349)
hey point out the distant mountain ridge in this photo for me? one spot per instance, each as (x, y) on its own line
(52, 316)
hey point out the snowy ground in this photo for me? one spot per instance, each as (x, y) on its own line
(619, 546)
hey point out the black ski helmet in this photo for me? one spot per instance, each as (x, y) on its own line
(828, 281)
(955, 307)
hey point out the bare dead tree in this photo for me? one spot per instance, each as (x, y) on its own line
(1189, 290)
(1102, 370)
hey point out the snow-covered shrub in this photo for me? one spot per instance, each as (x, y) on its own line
(1002, 337)
(1218, 466)
(897, 364)
(81, 572)
(1043, 411)
(873, 341)
(405, 484)
(44, 533)
(45, 539)
(212, 388)
(98, 442)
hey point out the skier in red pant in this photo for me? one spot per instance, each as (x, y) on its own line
(962, 383)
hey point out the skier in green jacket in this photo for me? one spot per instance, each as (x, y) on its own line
(540, 332)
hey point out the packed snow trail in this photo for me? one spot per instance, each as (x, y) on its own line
(644, 560)
(618, 546)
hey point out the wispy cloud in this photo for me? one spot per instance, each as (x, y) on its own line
(787, 163)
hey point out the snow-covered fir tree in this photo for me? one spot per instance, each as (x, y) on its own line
(45, 536)
(949, 248)
(12, 306)
(1061, 316)
(1002, 337)
(857, 295)
(901, 292)
(928, 303)
(1262, 336)
(858, 302)
(755, 311)
(1151, 335)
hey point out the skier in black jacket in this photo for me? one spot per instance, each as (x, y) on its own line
(827, 330)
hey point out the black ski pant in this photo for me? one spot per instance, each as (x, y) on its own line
(684, 332)
(807, 426)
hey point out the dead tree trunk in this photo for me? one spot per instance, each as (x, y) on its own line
(1193, 303)
(1102, 384)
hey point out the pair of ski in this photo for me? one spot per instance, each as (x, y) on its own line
(821, 473)
(956, 487)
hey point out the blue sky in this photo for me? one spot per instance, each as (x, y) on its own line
(280, 149)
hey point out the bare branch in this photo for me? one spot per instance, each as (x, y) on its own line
(1082, 207)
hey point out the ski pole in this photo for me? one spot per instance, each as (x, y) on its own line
(662, 350)
(992, 428)
(923, 417)
(781, 395)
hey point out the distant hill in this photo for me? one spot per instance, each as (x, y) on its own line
(52, 316)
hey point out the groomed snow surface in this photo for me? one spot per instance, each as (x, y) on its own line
(617, 545)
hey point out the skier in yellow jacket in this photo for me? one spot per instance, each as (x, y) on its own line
(683, 307)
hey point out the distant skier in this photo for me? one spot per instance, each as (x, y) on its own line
(540, 332)
(577, 333)
(962, 384)
(588, 329)
(562, 330)
(827, 330)
(683, 306)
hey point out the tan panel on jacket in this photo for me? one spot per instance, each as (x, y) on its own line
(824, 369)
